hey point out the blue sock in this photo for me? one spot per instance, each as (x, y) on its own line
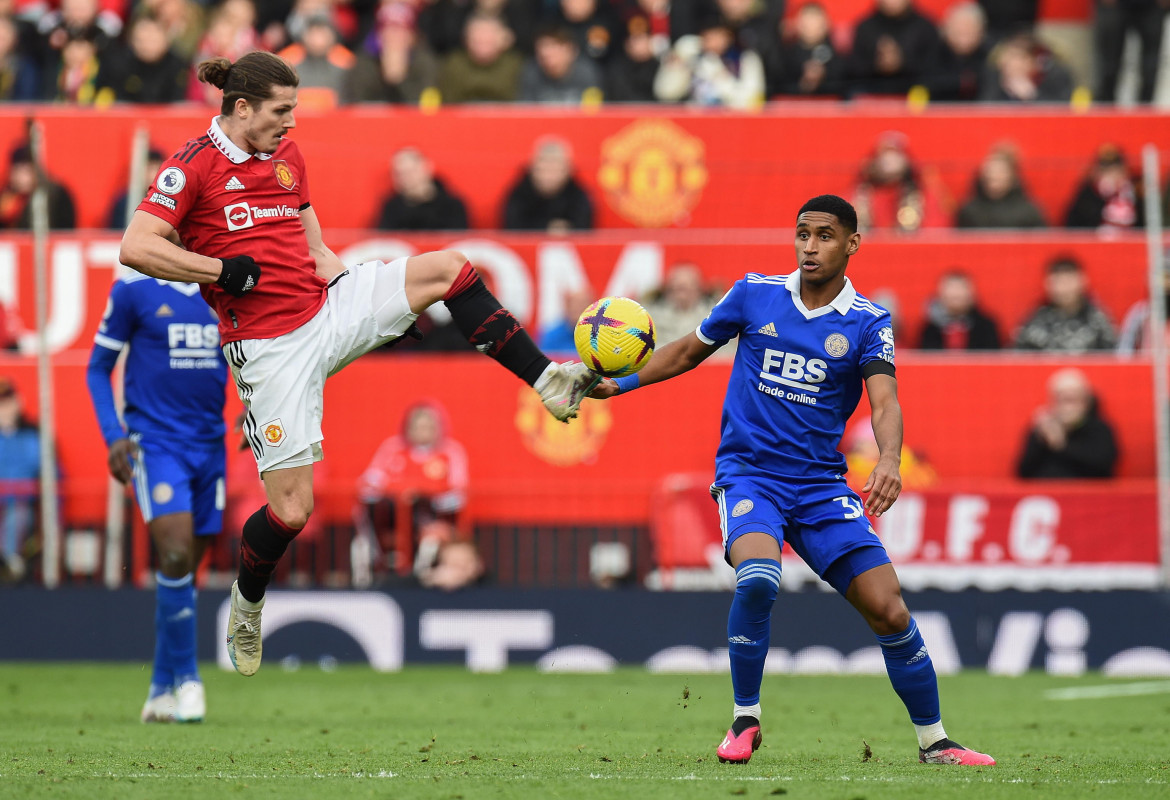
(176, 604)
(162, 677)
(912, 673)
(749, 626)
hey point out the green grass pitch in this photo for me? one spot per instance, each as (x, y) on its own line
(73, 731)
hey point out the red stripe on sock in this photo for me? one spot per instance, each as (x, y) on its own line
(464, 281)
(278, 525)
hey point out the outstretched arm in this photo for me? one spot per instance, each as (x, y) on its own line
(329, 266)
(681, 355)
(885, 482)
(151, 246)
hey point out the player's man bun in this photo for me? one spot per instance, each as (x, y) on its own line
(252, 77)
(832, 204)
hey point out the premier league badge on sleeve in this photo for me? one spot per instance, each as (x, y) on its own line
(284, 175)
(171, 181)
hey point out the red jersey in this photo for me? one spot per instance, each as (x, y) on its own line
(226, 202)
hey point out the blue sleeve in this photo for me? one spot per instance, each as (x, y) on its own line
(116, 327)
(726, 319)
(877, 345)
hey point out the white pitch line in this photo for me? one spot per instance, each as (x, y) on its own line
(1109, 690)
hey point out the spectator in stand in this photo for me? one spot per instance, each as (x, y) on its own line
(441, 22)
(998, 199)
(231, 32)
(558, 73)
(15, 205)
(20, 77)
(1021, 69)
(558, 337)
(954, 320)
(593, 24)
(419, 474)
(20, 471)
(547, 197)
(74, 20)
(961, 61)
(116, 218)
(893, 49)
(659, 16)
(183, 22)
(893, 192)
(396, 65)
(1068, 321)
(1114, 21)
(711, 70)
(806, 63)
(487, 69)
(754, 24)
(629, 75)
(1005, 17)
(1137, 329)
(1109, 197)
(681, 303)
(74, 77)
(421, 201)
(1069, 438)
(322, 62)
(145, 70)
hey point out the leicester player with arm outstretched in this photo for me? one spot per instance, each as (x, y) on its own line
(231, 211)
(807, 342)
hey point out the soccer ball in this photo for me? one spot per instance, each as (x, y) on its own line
(614, 337)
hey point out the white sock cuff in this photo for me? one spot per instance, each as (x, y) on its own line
(174, 583)
(746, 711)
(929, 734)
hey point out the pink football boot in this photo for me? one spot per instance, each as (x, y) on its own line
(945, 751)
(738, 749)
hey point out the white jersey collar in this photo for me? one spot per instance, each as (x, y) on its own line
(841, 303)
(234, 152)
(188, 289)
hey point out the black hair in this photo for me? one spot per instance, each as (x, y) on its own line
(252, 77)
(1065, 262)
(841, 208)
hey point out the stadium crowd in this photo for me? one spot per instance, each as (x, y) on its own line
(730, 53)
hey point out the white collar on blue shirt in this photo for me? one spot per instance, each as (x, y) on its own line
(841, 303)
(188, 289)
(233, 151)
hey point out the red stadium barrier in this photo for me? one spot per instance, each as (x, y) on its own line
(645, 167)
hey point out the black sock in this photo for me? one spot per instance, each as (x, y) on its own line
(264, 541)
(492, 329)
(741, 724)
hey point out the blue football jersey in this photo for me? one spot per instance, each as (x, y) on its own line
(797, 375)
(175, 373)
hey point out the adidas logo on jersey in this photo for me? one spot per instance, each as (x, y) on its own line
(164, 311)
(234, 185)
(768, 330)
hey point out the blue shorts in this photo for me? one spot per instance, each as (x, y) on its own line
(188, 477)
(823, 521)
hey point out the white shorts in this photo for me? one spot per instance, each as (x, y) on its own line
(282, 380)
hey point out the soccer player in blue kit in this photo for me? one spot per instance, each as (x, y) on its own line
(172, 447)
(807, 343)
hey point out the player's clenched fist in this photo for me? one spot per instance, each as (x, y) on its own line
(239, 276)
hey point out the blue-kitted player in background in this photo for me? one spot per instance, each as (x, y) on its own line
(172, 447)
(807, 343)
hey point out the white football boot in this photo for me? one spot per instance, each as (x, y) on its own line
(190, 702)
(243, 635)
(562, 387)
(159, 709)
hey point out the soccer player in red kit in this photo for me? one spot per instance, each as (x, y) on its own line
(231, 211)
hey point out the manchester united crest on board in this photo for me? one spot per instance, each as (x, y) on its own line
(653, 172)
(284, 174)
(836, 345)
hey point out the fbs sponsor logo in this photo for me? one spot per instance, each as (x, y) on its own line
(233, 185)
(794, 370)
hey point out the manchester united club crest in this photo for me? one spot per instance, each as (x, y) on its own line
(558, 444)
(284, 174)
(653, 172)
(273, 433)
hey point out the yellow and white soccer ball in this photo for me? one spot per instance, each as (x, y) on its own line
(614, 337)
